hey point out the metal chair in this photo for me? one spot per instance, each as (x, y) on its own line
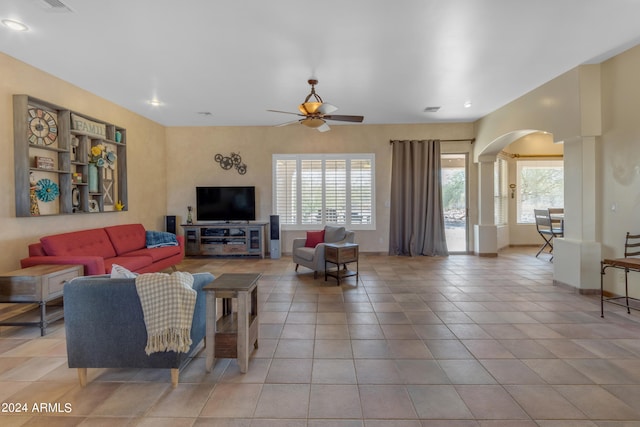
(630, 262)
(557, 218)
(548, 229)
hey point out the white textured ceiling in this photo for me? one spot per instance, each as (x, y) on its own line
(384, 59)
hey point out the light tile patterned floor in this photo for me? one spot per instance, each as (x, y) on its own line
(421, 342)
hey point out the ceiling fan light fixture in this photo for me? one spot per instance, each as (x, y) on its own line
(309, 107)
(313, 122)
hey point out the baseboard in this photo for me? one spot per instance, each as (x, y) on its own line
(576, 290)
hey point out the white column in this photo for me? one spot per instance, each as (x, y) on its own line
(576, 260)
(486, 232)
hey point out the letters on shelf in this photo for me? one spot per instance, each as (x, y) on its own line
(87, 126)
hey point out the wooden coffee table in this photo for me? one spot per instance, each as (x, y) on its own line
(40, 284)
(232, 334)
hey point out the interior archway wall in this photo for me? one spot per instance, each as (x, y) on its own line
(554, 107)
(568, 107)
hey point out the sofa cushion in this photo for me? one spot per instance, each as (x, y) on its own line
(94, 242)
(132, 263)
(305, 253)
(334, 234)
(126, 238)
(156, 254)
(314, 238)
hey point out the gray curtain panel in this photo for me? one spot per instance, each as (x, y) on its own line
(417, 220)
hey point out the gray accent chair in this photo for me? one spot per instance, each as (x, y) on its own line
(313, 258)
(105, 326)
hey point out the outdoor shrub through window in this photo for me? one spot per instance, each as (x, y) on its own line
(540, 186)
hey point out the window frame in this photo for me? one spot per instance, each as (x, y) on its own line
(299, 158)
(521, 163)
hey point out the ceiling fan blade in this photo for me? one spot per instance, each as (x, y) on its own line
(286, 112)
(287, 123)
(324, 128)
(344, 118)
(327, 108)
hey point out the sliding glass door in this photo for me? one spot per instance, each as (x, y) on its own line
(454, 200)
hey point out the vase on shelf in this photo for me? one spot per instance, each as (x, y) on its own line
(93, 178)
(189, 217)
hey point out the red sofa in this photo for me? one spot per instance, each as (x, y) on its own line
(99, 248)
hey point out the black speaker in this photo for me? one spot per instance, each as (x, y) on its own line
(274, 232)
(274, 227)
(170, 224)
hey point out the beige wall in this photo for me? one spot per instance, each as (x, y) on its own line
(145, 155)
(165, 164)
(191, 151)
(553, 107)
(619, 159)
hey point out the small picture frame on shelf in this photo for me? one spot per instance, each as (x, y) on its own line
(45, 163)
(93, 206)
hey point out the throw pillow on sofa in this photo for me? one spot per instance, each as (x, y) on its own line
(314, 238)
(119, 272)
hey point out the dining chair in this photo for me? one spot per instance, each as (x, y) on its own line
(630, 262)
(557, 219)
(547, 229)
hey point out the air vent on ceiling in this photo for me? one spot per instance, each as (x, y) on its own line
(431, 109)
(54, 6)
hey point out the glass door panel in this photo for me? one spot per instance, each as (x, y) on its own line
(454, 200)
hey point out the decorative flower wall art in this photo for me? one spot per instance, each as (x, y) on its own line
(47, 190)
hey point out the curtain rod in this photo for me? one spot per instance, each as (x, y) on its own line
(471, 140)
(516, 156)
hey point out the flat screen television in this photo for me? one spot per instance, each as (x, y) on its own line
(226, 204)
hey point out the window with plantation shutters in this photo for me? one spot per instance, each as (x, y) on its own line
(285, 184)
(313, 190)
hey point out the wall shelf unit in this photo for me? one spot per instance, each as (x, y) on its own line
(224, 239)
(52, 145)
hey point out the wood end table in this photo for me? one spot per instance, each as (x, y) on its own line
(232, 334)
(340, 254)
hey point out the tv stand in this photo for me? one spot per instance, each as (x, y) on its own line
(225, 239)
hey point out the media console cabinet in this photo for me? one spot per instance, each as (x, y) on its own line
(225, 239)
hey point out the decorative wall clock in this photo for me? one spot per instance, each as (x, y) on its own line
(43, 128)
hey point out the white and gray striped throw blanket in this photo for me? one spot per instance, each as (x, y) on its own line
(168, 301)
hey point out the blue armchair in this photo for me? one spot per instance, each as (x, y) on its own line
(105, 326)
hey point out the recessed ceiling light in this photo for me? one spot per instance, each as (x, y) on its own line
(431, 109)
(155, 102)
(467, 104)
(14, 25)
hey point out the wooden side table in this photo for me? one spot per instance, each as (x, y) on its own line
(39, 284)
(232, 334)
(340, 254)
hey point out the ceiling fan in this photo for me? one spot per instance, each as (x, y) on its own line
(315, 112)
